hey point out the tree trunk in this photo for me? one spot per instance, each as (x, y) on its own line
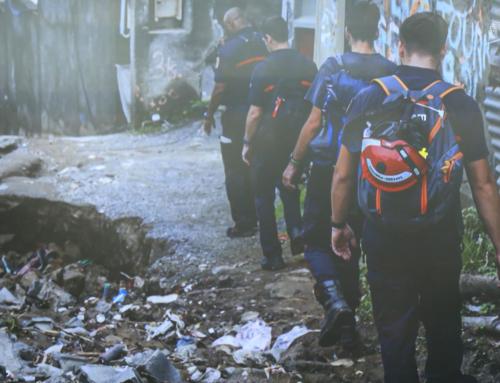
(477, 284)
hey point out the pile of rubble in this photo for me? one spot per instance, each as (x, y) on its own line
(64, 322)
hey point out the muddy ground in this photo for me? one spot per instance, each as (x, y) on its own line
(163, 198)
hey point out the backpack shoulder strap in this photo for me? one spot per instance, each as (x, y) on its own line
(441, 89)
(340, 62)
(390, 84)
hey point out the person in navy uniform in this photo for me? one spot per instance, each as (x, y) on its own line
(337, 281)
(414, 275)
(242, 50)
(278, 87)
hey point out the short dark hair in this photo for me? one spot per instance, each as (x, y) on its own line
(277, 28)
(362, 20)
(424, 33)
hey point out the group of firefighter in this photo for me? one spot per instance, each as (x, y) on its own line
(384, 148)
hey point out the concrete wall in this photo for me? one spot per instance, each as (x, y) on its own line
(61, 67)
(170, 65)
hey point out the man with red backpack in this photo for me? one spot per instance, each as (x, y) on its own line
(406, 141)
(278, 111)
(339, 80)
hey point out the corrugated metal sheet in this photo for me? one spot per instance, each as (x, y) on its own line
(492, 109)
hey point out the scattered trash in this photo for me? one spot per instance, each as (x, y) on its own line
(155, 331)
(8, 300)
(122, 293)
(284, 341)
(249, 316)
(343, 363)
(114, 353)
(7, 269)
(157, 300)
(255, 336)
(249, 358)
(105, 293)
(211, 375)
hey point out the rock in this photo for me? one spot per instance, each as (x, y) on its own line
(9, 143)
(28, 278)
(20, 163)
(158, 300)
(129, 375)
(219, 269)
(71, 362)
(49, 370)
(96, 374)
(160, 369)
(291, 287)
(249, 316)
(73, 279)
(55, 295)
(8, 300)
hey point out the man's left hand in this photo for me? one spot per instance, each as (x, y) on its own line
(341, 239)
(246, 154)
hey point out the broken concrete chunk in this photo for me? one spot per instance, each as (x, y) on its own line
(55, 295)
(71, 362)
(73, 279)
(7, 358)
(7, 299)
(96, 374)
(160, 369)
(29, 278)
(129, 375)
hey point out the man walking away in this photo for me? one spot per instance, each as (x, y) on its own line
(277, 113)
(241, 52)
(411, 154)
(338, 82)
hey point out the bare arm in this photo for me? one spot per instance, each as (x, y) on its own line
(252, 125)
(487, 200)
(343, 194)
(253, 120)
(215, 101)
(309, 132)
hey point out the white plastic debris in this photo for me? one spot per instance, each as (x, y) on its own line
(254, 336)
(248, 358)
(285, 340)
(159, 300)
(249, 316)
(211, 375)
(155, 331)
(343, 363)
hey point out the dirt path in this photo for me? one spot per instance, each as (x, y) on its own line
(174, 184)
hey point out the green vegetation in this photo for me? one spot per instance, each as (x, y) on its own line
(280, 213)
(478, 251)
(365, 308)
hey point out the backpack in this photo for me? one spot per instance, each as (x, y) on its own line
(411, 167)
(282, 124)
(341, 89)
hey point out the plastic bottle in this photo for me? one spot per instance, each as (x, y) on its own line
(122, 293)
(105, 293)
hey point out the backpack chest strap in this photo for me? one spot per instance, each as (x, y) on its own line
(390, 84)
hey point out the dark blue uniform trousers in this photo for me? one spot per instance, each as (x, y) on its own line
(267, 175)
(415, 277)
(323, 263)
(238, 182)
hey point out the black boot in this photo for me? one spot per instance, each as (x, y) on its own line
(296, 242)
(273, 263)
(238, 232)
(339, 321)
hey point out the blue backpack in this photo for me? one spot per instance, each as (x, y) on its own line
(341, 89)
(411, 166)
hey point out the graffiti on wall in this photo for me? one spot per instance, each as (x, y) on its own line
(467, 59)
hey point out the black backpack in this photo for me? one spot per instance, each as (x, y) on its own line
(282, 125)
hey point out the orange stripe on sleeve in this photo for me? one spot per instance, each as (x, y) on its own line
(250, 61)
(269, 88)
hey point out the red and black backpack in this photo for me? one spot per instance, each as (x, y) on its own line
(411, 165)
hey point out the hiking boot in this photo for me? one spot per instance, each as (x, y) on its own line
(296, 242)
(339, 321)
(273, 263)
(236, 232)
